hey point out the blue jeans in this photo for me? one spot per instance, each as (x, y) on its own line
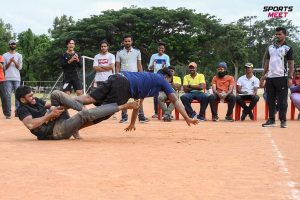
(187, 98)
(4, 102)
(11, 86)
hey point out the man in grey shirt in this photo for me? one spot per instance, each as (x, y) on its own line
(12, 66)
(130, 59)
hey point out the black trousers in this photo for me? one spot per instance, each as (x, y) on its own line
(240, 99)
(277, 87)
(213, 98)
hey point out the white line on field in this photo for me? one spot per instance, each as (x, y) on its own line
(293, 191)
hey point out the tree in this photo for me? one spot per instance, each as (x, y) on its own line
(5, 35)
(33, 49)
(233, 48)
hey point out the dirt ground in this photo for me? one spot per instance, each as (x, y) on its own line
(160, 160)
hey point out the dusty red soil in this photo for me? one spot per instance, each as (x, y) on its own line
(223, 160)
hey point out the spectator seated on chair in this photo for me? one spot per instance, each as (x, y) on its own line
(295, 90)
(222, 86)
(167, 108)
(247, 86)
(194, 87)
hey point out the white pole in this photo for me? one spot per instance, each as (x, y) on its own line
(83, 73)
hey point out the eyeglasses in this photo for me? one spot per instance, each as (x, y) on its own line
(192, 67)
(298, 70)
(12, 44)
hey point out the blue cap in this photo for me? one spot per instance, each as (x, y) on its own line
(223, 64)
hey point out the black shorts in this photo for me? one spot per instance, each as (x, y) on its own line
(75, 83)
(115, 90)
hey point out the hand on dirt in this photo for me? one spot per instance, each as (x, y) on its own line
(192, 121)
(130, 128)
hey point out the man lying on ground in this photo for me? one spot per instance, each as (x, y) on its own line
(56, 123)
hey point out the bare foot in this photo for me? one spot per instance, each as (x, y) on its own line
(131, 105)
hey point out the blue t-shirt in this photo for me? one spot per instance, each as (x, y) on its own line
(145, 84)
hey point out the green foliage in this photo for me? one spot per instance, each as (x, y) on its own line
(189, 36)
(5, 36)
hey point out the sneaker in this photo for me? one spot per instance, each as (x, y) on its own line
(283, 124)
(155, 116)
(215, 118)
(167, 118)
(269, 123)
(123, 120)
(229, 119)
(298, 117)
(193, 115)
(143, 119)
(201, 118)
(243, 117)
(8, 117)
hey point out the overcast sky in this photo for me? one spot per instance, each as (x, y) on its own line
(39, 14)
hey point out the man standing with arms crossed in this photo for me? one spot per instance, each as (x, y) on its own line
(130, 59)
(13, 65)
(279, 57)
(104, 63)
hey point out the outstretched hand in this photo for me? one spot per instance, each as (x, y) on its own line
(130, 128)
(190, 121)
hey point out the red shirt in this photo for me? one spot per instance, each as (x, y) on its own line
(2, 76)
(222, 84)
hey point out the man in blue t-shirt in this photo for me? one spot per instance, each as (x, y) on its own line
(138, 85)
(158, 61)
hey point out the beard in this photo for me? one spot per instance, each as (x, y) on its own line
(12, 48)
(222, 74)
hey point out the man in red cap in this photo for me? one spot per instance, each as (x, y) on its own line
(194, 86)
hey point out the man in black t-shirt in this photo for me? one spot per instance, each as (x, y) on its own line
(55, 123)
(70, 62)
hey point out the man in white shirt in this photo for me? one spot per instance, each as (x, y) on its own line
(278, 73)
(130, 59)
(104, 63)
(247, 86)
(12, 65)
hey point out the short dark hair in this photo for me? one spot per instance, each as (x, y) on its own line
(172, 67)
(127, 36)
(165, 71)
(22, 91)
(103, 42)
(69, 40)
(162, 44)
(278, 29)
